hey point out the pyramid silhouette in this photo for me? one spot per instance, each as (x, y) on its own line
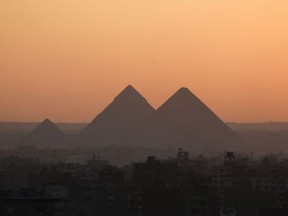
(182, 121)
(112, 126)
(46, 134)
(185, 121)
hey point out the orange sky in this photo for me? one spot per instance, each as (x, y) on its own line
(67, 59)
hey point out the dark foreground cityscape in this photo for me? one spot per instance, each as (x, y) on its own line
(227, 185)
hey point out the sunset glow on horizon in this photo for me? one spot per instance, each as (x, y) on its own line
(67, 60)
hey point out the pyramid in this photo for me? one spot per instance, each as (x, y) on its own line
(46, 134)
(112, 126)
(185, 121)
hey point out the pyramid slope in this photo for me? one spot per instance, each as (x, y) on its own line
(118, 120)
(46, 134)
(185, 121)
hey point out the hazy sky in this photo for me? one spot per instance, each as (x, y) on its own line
(68, 59)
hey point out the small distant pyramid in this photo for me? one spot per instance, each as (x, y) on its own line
(185, 121)
(112, 126)
(46, 134)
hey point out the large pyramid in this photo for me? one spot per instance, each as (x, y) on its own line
(112, 126)
(46, 134)
(184, 121)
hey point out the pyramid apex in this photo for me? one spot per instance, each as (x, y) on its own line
(184, 93)
(47, 120)
(183, 97)
(129, 93)
(129, 88)
(184, 90)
